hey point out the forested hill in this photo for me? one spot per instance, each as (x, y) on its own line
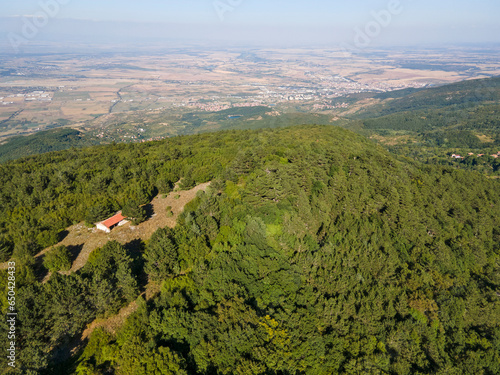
(454, 115)
(45, 141)
(457, 95)
(314, 251)
(431, 125)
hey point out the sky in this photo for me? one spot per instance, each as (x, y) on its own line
(358, 24)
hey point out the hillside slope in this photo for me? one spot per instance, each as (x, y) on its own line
(431, 125)
(314, 251)
(458, 95)
(46, 141)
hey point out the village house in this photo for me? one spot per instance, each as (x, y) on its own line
(114, 221)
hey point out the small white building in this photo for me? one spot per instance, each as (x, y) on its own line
(114, 221)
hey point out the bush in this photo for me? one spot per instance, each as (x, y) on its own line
(57, 259)
(161, 255)
(47, 238)
(25, 250)
(164, 186)
(187, 183)
(6, 248)
(99, 211)
(136, 213)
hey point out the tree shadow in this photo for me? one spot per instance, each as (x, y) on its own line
(38, 268)
(64, 358)
(74, 251)
(149, 211)
(62, 235)
(135, 249)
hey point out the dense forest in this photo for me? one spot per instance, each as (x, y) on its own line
(313, 251)
(460, 95)
(432, 136)
(429, 125)
(45, 141)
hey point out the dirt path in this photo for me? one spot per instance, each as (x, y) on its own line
(81, 240)
(94, 238)
(126, 234)
(115, 322)
(111, 324)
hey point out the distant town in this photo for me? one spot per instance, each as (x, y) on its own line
(144, 97)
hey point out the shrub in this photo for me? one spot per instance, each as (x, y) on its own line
(58, 259)
(6, 248)
(187, 183)
(135, 212)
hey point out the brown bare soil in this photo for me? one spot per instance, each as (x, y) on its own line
(113, 323)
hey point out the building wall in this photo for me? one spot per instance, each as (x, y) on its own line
(100, 226)
(123, 222)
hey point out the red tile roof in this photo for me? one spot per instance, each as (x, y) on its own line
(113, 220)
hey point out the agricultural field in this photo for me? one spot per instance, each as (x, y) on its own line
(113, 96)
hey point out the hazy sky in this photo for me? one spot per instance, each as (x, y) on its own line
(400, 22)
